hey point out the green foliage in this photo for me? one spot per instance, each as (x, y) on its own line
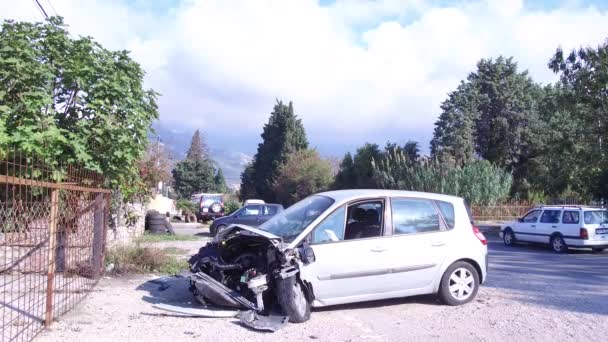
(72, 101)
(282, 135)
(480, 182)
(196, 173)
(185, 206)
(151, 238)
(231, 206)
(137, 259)
(303, 173)
(220, 182)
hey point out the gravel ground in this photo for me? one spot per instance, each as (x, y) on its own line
(532, 295)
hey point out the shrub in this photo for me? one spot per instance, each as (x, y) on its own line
(231, 206)
(479, 183)
(136, 259)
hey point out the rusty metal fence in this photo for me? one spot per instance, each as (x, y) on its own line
(52, 241)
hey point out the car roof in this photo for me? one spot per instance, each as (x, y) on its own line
(349, 195)
(568, 207)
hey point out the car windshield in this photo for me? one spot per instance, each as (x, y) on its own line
(596, 216)
(290, 223)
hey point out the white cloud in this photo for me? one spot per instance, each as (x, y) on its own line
(356, 70)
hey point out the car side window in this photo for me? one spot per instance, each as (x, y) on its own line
(412, 215)
(364, 220)
(550, 216)
(532, 217)
(570, 217)
(447, 211)
(331, 229)
(251, 210)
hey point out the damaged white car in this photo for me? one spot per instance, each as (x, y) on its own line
(343, 247)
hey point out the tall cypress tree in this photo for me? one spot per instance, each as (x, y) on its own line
(196, 173)
(282, 135)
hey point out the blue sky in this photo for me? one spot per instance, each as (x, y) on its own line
(356, 71)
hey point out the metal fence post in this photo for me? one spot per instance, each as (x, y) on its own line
(51, 256)
(98, 234)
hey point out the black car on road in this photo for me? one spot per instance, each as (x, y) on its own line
(251, 215)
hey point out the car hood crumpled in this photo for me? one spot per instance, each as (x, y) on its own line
(257, 231)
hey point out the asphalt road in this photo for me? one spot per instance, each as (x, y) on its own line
(532, 294)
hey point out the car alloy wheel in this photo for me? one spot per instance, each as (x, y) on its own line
(558, 244)
(508, 238)
(462, 284)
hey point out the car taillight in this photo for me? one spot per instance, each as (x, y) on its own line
(480, 235)
(584, 234)
(202, 202)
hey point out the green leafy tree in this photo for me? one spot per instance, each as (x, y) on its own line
(196, 173)
(71, 100)
(362, 166)
(454, 136)
(220, 182)
(345, 178)
(282, 135)
(584, 76)
(303, 173)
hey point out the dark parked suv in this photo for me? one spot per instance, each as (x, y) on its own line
(210, 206)
(251, 215)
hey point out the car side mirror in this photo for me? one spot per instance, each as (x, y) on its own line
(309, 255)
(520, 219)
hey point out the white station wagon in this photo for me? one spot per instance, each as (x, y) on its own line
(342, 247)
(560, 227)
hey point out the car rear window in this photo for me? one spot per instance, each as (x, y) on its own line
(209, 200)
(596, 216)
(447, 211)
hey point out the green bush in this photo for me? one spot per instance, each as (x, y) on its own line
(136, 259)
(479, 183)
(231, 206)
(186, 207)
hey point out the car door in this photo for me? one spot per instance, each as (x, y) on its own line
(419, 244)
(548, 224)
(347, 269)
(527, 228)
(248, 215)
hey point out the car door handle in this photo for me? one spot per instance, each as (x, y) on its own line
(553, 226)
(378, 249)
(437, 243)
(533, 226)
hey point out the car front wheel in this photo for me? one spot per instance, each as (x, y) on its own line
(508, 237)
(292, 300)
(459, 284)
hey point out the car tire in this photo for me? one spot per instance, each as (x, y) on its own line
(558, 245)
(508, 237)
(218, 229)
(459, 284)
(292, 300)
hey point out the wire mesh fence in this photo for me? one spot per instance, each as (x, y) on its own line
(52, 241)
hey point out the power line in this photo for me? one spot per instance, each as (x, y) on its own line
(41, 9)
(52, 7)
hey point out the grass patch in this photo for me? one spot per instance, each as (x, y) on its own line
(137, 259)
(147, 237)
(175, 251)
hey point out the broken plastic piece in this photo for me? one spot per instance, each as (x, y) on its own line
(198, 312)
(254, 321)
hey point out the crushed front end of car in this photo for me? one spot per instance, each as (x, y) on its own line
(249, 269)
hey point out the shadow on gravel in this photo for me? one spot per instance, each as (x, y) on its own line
(426, 299)
(203, 234)
(575, 281)
(168, 290)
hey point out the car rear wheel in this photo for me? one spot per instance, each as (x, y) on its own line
(459, 284)
(558, 244)
(508, 237)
